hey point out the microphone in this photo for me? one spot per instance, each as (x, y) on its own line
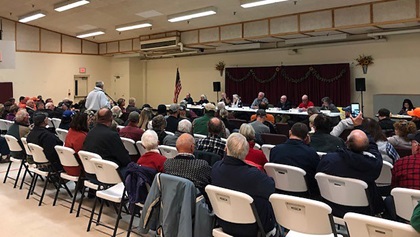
(113, 101)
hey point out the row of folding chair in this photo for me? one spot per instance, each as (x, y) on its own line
(5, 125)
(136, 148)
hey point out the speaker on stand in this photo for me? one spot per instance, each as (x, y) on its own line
(216, 88)
(361, 86)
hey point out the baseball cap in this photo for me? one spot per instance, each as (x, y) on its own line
(209, 107)
(67, 114)
(347, 109)
(39, 117)
(415, 112)
(134, 116)
(182, 107)
(261, 112)
(414, 136)
(173, 108)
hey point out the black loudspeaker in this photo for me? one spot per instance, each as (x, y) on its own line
(360, 84)
(216, 86)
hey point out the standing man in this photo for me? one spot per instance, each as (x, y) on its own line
(306, 103)
(258, 100)
(97, 98)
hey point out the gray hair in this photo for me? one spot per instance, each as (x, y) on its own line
(116, 111)
(150, 140)
(237, 146)
(185, 126)
(247, 131)
(99, 84)
(49, 105)
(221, 105)
(20, 115)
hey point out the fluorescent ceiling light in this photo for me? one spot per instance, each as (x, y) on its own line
(91, 33)
(183, 16)
(256, 3)
(32, 16)
(396, 32)
(132, 26)
(316, 39)
(66, 5)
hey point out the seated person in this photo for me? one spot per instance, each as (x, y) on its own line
(19, 129)
(322, 140)
(213, 142)
(225, 99)
(233, 173)
(172, 120)
(189, 99)
(406, 106)
(306, 103)
(402, 129)
(152, 158)
(132, 130)
(256, 157)
(75, 139)
(184, 126)
(203, 100)
(66, 120)
(284, 103)
(385, 121)
(328, 105)
(236, 102)
(260, 98)
(360, 160)
(159, 125)
(259, 126)
(264, 106)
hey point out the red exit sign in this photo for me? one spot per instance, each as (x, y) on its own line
(82, 70)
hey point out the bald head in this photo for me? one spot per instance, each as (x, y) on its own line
(357, 141)
(215, 126)
(104, 116)
(185, 143)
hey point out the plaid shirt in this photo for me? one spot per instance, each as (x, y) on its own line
(406, 172)
(212, 144)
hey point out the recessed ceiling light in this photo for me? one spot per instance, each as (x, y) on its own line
(134, 25)
(183, 16)
(69, 4)
(91, 33)
(32, 16)
(256, 3)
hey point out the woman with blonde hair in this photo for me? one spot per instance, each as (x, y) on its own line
(145, 116)
(402, 129)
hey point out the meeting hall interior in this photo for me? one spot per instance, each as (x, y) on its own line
(361, 53)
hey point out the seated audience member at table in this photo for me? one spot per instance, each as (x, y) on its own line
(415, 115)
(406, 106)
(360, 160)
(284, 103)
(185, 164)
(328, 105)
(116, 114)
(322, 140)
(132, 130)
(306, 103)
(45, 139)
(233, 173)
(264, 106)
(75, 139)
(257, 101)
(19, 129)
(225, 99)
(385, 121)
(189, 99)
(296, 152)
(159, 125)
(200, 124)
(12, 113)
(203, 100)
(213, 143)
(402, 129)
(386, 149)
(254, 157)
(172, 120)
(236, 101)
(184, 126)
(259, 126)
(152, 158)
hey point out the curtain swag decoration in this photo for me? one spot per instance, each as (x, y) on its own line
(252, 73)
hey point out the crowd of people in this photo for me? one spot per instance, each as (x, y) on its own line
(95, 125)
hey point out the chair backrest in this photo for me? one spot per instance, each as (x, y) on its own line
(266, 148)
(231, 206)
(403, 151)
(56, 122)
(385, 177)
(38, 153)
(61, 133)
(8, 124)
(50, 123)
(283, 128)
(3, 125)
(303, 215)
(85, 157)
(321, 154)
(25, 145)
(66, 156)
(199, 136)
(119, 127)
(257, 146)
(141, 148)
(286, 177)
(168, 151)
(273, 139)
(13, 143)
(360, 225)
(405, 200)
(236, 123)
(170, 133)
(130, 146)
(106, 171)
(343, 191)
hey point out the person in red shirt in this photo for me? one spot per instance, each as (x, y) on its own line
(306, 103)
(75, 139)
(254, 157)
(152, 158)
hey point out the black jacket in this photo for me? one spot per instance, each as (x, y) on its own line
(47, 140)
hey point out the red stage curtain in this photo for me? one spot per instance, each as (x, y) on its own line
(317, 81)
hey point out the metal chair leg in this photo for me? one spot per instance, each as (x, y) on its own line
(31, 186)
(7, 172)
(18, 174)
(118, 217)
(91, 214)
(81, 201)
(100, 211)
(47, 179)
(56, 193)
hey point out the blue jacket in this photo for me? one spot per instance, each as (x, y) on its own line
(136, 181)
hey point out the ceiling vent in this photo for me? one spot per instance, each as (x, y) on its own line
(160, 44)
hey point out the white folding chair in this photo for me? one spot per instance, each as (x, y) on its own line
(14, 146)
(257, 146)
(266, 148)
(287, 178)
(140, 148)
(62, 134)
(360, 225)
(303, 216)
(130, 146)
(89, 169)
(50, 123)
(232, 206)
(112, 189)
(50, 174)
(168, 151)
(385, 177)
(28, 155)
(119, 127)
(56, 122)
(170, 133)
(343, 191)
(199, 136)
(68, 159)
(5, 125)
(321, 154)
(405, 200)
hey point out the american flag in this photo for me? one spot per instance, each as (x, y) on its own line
(178, 86)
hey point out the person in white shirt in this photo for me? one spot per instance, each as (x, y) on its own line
(97, 99)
